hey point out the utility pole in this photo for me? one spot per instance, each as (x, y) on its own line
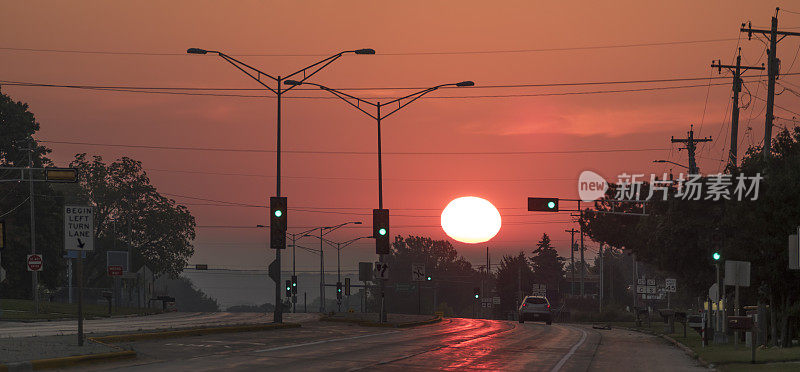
(572, 258)
(600, 291)
(737, 72)
(773, 67)
(583, 262)
(691, 147)
(34, 274)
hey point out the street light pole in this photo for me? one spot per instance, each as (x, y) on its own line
(278, 91)
(379, 116)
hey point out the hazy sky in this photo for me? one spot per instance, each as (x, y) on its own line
(407, 35)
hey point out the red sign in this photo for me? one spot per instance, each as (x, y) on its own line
(115, 270)
(34, 262)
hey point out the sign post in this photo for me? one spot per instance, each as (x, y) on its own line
(79, 236)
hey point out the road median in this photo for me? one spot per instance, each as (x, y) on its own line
(193, 332)
(371, 323)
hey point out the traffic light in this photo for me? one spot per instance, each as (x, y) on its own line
(380, 230)
(347, 286)
(288, 288)
(716, 256)
(339, 290)
(294, 284)
(476, 292)
(277, 222)
(543, 204)
(428, 278)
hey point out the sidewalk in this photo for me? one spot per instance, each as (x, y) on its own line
(646, 352)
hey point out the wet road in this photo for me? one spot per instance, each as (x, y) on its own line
(454, 344)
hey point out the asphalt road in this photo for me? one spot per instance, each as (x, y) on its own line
(453, 344)
(141, 323)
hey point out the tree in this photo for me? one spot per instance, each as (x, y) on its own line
(547, 265)
(453, 274)
(130, 211)
(514, 279)
(17, 127)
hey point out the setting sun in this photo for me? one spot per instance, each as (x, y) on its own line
(470, 219)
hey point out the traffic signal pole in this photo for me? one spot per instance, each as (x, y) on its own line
(382, 258)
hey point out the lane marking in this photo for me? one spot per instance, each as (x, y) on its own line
(323, 341)
(571, 351)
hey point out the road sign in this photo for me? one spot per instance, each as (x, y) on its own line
(78, 228)
(117, 258)
(713, 292)
(34, 262)
(651, 289)
(496, 300)
(641, 289)
(115, 270)
(737, 273)
(418, 272)
(381, 270)
(365, 271)
(641, 281)
(275, 271)
(651, 282)
(671, 285)
(2, 274)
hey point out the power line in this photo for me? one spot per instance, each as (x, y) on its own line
(500, 51)
(477, 153)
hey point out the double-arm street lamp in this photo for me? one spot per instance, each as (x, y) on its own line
(324, 230)
(378, 116)
(257, 75)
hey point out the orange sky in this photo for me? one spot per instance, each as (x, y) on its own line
(427, 182)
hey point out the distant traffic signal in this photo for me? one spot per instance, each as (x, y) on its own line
(543, 204)
(380, 230)
(428, 278)
(294, 284)
(339, 290)
(476, 292)
(277, 222)
(288, 288)
(716, 256)
(347, 286)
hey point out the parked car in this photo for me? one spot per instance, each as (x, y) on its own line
(535, 308)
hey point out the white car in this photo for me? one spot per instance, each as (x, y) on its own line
(535, 308)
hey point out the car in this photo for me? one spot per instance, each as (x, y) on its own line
(535, 308)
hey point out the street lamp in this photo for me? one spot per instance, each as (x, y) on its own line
(378, 116)
(321, 238)
(339, 246)
(256, 75)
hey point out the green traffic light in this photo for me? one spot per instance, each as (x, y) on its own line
(382, 231)
(429, 278)
(476, 296)
(294, 284)
(716, 256)
(278, 213)
(551, 205)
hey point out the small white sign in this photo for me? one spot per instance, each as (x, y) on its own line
(496, 300)
(381, 270)
(651, 289)
(641, 289)
(418, 272)
(651, 282)
(641, 281)
(78, 228)
(671, 285)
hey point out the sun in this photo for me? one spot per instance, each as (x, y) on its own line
(470, 219)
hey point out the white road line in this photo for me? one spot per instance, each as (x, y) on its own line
(323, 341)
(566, 356)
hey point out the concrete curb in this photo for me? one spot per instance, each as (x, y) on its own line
(677, 344)
(67, 361)
(194, 332)
(365, 323)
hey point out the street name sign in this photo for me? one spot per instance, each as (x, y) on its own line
(34, 262)
(418, 272)
(78, 228)
(671, 285)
